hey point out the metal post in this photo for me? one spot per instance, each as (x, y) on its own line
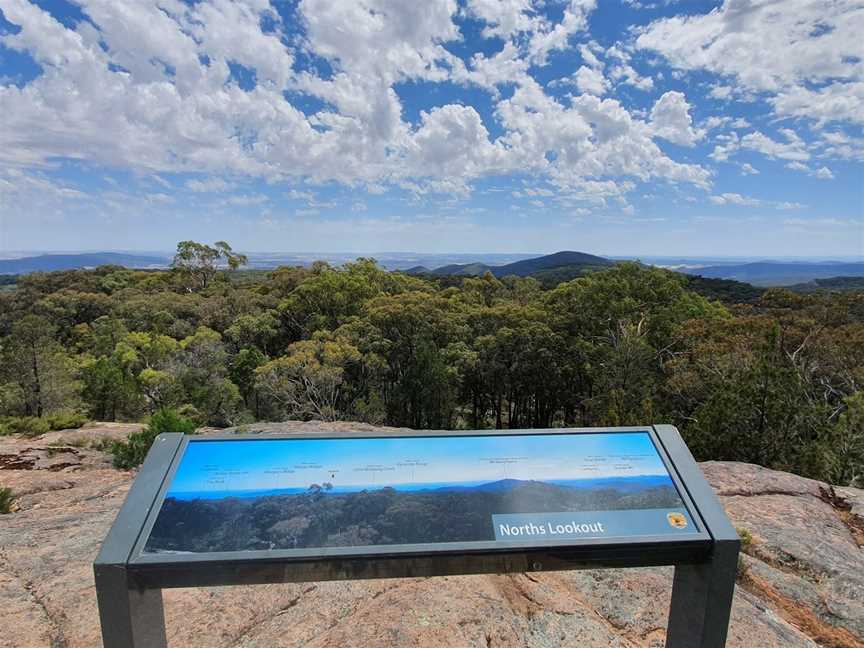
(130, 618)
(702, 600)
(701, 593)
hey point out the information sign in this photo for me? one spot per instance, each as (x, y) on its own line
(242, 509)
(260, 494)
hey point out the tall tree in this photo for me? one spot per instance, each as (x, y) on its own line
(198, 263)
(37, 363)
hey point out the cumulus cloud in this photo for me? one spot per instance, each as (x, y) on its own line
(152, 86)
(804, 55)
(793, 149)
(822, 173)
(670, 119)
(591, 81)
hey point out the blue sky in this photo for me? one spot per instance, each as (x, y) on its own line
(268, 464)
(620, 127)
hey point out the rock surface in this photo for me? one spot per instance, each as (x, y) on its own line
(802, 582)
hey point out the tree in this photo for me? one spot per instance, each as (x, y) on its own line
(35, 362)
(198, 263)
(259, 331)
(201, 370)
(242, 373)
(106, 388)
(306, 383)
(845, 446)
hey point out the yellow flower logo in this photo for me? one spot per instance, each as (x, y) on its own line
(676, 520)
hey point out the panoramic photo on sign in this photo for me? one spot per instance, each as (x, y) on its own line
(241, 495)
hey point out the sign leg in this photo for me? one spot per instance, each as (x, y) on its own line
(702, 600)
(130, 618)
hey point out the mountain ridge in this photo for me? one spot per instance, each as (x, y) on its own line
(575, 261)
(55, 262)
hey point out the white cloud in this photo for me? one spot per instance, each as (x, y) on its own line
(247, 200)
(734, 199)
(783, 50)
(162, 198)
(794, 149)
(823, 173)
(670, 119)
(557, 37)
(749, 169)
(591, 81)
(738, 199)
(719, 91)
(146, 85)
(589, 57)
(210, 185)
(306, 196)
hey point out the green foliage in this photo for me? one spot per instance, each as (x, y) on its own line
(746, 539)
(197, 263)
(845, 446)
(6, 500)
(29, 426)
(65, 420)
(131, 452)
(746, 545)
(772, 377)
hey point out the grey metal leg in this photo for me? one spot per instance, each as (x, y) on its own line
(702, 600)
(130, 618)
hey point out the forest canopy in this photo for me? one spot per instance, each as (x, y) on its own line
(775, 381)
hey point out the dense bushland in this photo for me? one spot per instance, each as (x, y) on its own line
(776, 381)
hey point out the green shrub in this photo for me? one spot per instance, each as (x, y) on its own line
(65, 420)
(746, 544)
(30, 426)
(5, 500)
(131, 452)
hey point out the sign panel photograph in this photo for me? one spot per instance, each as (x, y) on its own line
(284, 494)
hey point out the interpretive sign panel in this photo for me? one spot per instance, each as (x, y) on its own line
(260, 494)
(243, 509)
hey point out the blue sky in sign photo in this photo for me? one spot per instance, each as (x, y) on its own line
(232, 466)
(616, 127)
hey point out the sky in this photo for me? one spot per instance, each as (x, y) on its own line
(621, 127)
(268, 464)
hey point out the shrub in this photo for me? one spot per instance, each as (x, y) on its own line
(65, 420)
(746, 544)
(131, 452)
(30, 426)
(5, 500)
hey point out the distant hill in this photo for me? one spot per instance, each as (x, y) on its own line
(467, 269)
(52, 262)
(550, 261)
(417, 270)
(551, 268)
(777, 273)
(832, 284)
(725, 290)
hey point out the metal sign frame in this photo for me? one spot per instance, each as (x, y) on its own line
(129, 582)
